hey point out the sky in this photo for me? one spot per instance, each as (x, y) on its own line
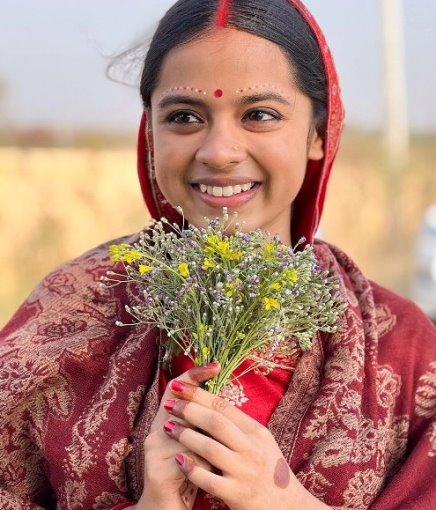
(53, 57)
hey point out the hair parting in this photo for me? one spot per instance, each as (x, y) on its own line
(278, 21)
(223, 13)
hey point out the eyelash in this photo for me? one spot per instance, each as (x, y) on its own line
(172, 116)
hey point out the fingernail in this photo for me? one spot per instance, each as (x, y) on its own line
(186, 464)
(169, 426)
(169, 405)
(180, 459)
(177, 386)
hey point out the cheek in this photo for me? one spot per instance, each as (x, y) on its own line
(285, 166)
(170, 167)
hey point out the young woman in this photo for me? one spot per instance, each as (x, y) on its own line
(242, 108)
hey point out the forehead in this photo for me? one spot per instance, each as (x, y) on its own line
(226, 58)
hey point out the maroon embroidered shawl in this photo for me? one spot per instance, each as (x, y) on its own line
(78, 394)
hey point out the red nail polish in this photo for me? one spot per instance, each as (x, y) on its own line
(177, 386)
(169, 426)
(169, 405)
(180, 459)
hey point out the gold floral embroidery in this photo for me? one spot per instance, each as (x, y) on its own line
(106, 500)
(115, 461)
(388, 387)
(432, 438)
(362, 489)
(385, 320)
(75, 493)
(425, 396)
(134, 401)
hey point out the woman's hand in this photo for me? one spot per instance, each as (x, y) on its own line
(165, 486)
(254, 474)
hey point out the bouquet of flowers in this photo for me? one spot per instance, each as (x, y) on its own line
(226, 297)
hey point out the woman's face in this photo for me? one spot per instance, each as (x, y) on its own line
(225, 141)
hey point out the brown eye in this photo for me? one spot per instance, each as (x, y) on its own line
(180, 118)
(255, 115)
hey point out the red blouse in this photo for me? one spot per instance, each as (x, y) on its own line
(257, 395)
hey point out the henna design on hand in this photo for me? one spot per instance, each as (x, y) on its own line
(282, 474)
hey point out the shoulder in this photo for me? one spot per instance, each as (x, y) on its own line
(397, 331)
(397, 313)
(407, 344)
(66, 287)
(68, 315)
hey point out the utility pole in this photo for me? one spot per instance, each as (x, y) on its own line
(396, 136)
(396, 123)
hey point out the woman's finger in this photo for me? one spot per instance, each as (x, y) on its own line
(216, 424)
(222, 406)
(206, 447)
(212, 483)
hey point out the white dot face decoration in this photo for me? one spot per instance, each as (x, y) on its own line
(268, 86)
(183, 89)
(219, 93)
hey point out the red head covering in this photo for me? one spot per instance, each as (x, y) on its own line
(309, 203)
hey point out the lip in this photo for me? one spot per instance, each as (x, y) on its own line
(222, 182)
(235, 201)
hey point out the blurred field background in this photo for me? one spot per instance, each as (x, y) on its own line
(58, 202)
(67, 134)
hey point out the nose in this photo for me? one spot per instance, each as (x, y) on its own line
(220, 150)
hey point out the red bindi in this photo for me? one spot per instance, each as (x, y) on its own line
(218, 93)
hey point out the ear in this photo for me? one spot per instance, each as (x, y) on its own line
(316, 146)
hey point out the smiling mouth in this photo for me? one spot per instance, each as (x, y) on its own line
(235, 198)
(225, 191)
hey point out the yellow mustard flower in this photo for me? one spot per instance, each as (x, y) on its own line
(291, 276)
(222, 248)
(205, 351)
(275, 286)
(230, 289)
(233, 288)
(144, 269)
(202, 330)
(269, 251)
(208, 264)
(270, 303)
(124, 253)
(132, 256)
(184, 270)
(236, 255)
(118, 251)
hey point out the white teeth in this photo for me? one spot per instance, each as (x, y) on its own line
(227, 191)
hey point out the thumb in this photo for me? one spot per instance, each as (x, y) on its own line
(197, 375)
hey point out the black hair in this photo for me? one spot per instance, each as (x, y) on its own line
(275, 20)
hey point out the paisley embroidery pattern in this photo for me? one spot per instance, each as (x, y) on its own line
(323, 425)
(385, 319)
(425, 397)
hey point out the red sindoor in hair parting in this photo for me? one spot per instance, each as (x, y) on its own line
(223, 13)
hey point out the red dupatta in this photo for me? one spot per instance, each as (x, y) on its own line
(78, 395)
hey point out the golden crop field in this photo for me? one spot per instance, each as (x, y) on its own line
(59, 203)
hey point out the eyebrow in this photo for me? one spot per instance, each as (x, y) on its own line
(245, 100)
